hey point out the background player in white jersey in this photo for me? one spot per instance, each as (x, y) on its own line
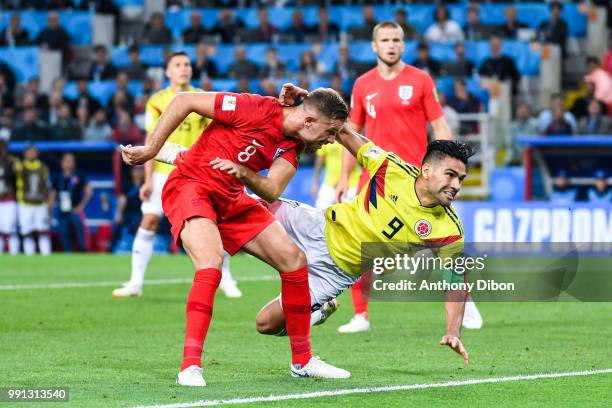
(179, 72)
(8, 206)
(330, 157)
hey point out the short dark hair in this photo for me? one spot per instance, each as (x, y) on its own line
(329, 102)
(438, 149)
(176, 54)
(386, 24)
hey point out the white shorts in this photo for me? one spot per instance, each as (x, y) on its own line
(154, 205)
(306, 227)
(33, 218)
(8, 217)
(327, 196)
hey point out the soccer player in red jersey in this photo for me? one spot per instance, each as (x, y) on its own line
(393, 101)
(205, 201)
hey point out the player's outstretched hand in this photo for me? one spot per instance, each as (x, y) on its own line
(341, 189)
(133, 155)
(145, 191)
(229, 167)
(455, 343)
(290, 93)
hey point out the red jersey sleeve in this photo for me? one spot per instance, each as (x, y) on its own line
(357, 114)
(433, 110)
(292, 156)
(237, 109)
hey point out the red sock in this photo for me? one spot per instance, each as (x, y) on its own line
(360, 293)
(296, 306)
(199, 312)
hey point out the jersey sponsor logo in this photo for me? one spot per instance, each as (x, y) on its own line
(370, 109)
(279, 151)
(229, 103)
(422, 228)
(405, 92)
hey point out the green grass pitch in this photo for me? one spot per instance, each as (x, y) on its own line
(126, 352)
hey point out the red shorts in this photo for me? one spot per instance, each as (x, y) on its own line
(240, 218)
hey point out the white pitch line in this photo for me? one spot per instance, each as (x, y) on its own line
(151, 282)
(391, 388)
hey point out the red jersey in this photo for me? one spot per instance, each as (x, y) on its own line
(395, 112)
(246, 129)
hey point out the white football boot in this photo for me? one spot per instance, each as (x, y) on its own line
(317, 368)
(191, 377)
(358, 323)
(128, 289)
(229, 287)
(327, 310)
(471, 316)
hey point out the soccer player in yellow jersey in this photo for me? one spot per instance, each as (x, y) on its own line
(330, 156)
(400, 203)
(179, 72)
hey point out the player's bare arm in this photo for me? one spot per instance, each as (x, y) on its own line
(441, 129)
(349, 162)
(269, 187)
(455, 303)
(202, 103)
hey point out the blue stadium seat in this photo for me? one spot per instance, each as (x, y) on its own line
(119, 57)
(446, 85)
(102, 90)
(152, 55)
(527, 60)
(442, 52)
(533, 14)
(493, 13)
(420, 15)
(22, 60)
(77, 23)
(136, 88)
(224, 84)
(125, 3)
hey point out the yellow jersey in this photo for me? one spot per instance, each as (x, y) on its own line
(332, 153)
(186, 134)
(386, 210)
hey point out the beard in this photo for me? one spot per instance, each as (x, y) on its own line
(387, 62)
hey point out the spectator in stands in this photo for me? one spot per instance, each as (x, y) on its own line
(122, 82)
(243, 86)
(559, 124)
(596, 123)
(136, 70)
(82, 117)
(42, 100)
(562, 192)
(128, 215)
(6, 96)
(265, 32)
(410, 31)
(101, 69)
(369, 19)
(120, 102)
(6, 127)
(8, 77)
(71, 191)
(156, 32)
(14, 35)
(205, 84)
(58, 86)
(546, 117)
(196, 31)
(363, 32)
(500, 66)
(203, 64)
(425, 62)
(325, 30)
(273, 67)
(465, 102)
(227, 26)
(126, 132)
(554, 30)
(98, 129)
(524, 124)
(298, 30)
(450, 114)
(28, 101)
(311, 68)
(335, 83)
(601, 191)
(601, 79)
(474, 29)
(443, 30)
(84, 98)
(510, 28)
(30, 128)
(347, 67)
(55, 103)
(66, 127)
(242, 67)
(268, 86)
(461, 67)
(55, 37)
(580, 107)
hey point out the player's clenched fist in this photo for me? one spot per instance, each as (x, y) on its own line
(229, 167)
(133, 155)
(454, 343)
(290, 93)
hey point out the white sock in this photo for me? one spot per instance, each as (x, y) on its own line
(13, 244)
(142, 250)
(44, 243)
(29, 246)
(316, 317)
(226, 273)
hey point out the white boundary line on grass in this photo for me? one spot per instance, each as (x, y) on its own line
(150, 282)
(391, 388)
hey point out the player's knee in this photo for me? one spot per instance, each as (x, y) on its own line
(294, 259)
(149, 222)
(206, 261)
(265, 325)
